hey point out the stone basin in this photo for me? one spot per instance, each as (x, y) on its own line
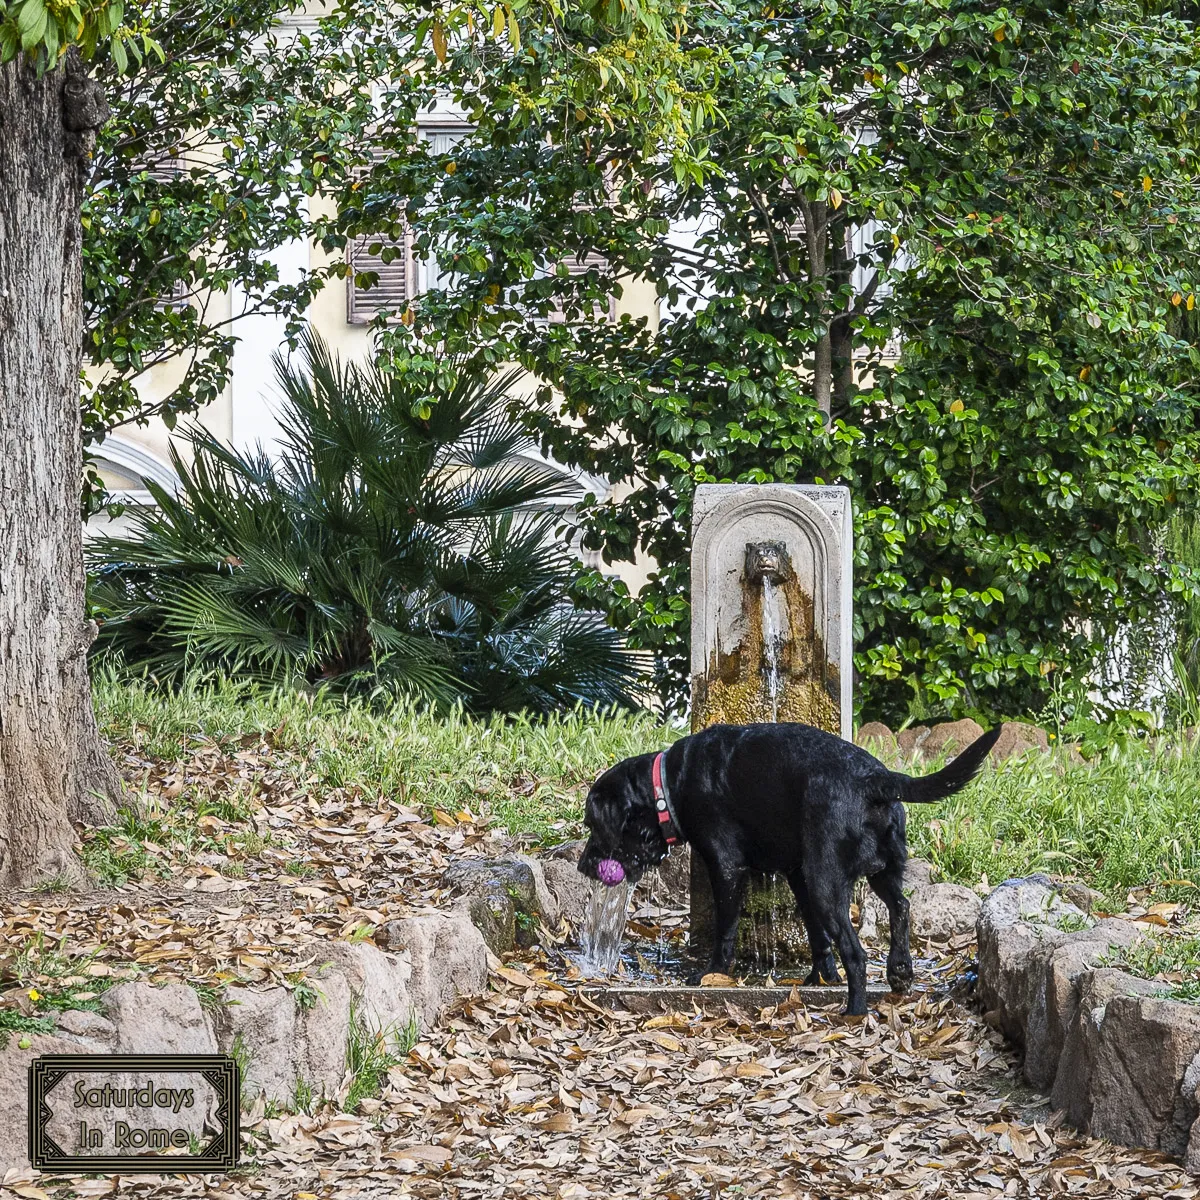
(653, 1000)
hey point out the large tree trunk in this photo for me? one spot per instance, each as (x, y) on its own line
(53, 768)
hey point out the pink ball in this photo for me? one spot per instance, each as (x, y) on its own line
(610, 872)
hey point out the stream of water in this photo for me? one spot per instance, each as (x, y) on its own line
(773, 632)
(603, 928)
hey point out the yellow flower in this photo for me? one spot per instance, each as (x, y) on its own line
(34, 994)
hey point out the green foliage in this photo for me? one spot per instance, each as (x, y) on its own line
(45, 30)
(233, 131)
(1128, 819)
(1009, 193)
(526, 775)
(1182, 548)
(370, 1054)
(401, 543)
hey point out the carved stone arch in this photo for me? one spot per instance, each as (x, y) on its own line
(813, 525)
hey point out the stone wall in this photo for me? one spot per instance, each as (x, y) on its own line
(415, 969)
(1115, 1053)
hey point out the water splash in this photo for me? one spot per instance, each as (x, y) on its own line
(603, 928)
(774, 617)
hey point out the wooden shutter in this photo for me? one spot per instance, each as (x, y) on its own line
(392, 291)
(577, 266)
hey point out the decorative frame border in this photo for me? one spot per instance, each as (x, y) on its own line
(221, 1153)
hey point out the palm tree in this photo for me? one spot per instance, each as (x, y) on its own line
(400, 541)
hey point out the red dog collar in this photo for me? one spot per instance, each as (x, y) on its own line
(662, 801)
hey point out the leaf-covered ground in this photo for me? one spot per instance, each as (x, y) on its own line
(536, 1092)
(263, 831)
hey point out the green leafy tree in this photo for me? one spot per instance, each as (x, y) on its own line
(247, 125)
(1008, 192)
(185, 68)
(403, 540)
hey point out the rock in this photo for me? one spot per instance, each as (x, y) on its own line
(1191, 1087)
(909, 740)
(873, 921)
(950, 738)
(448, 956)
(547, 905)
(1072, 1090)
(379, 982)
(1081, 895)
(1052, 1007)
(569, 851)
(158, 1020)
(93, 1031)
(940, 911)
(876, 738)
(497, 881)
(260, 1027)
(1146, 1047)
(515, 876)
(917, 873)
(1016, 919)
(571, 890)
(323, 1033)
(494, 914)
(1018, 738)
(14, 1094)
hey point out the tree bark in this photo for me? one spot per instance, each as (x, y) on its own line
(841, 331)
(53, 768)
(816, 233)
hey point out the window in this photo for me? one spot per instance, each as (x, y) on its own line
(405, 275)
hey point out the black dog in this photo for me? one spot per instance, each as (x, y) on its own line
(776, 798)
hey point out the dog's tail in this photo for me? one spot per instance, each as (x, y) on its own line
(929, 789)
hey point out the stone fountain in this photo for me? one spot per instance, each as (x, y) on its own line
(771, 641)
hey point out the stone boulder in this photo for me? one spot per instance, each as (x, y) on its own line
(14, 1094)
(1053, 1005)
(950, 738)
(917, 873)
(1018, 738)
(502, 898)
(158, 1020)
(571, 890)
(568, 851)
(876, 738)
(260, 1026)
(873, 922)
(447, 955)
(1072, 1090)
(1146, 1046)
(940, 911)
(1017, 921)
(92, 1031)
(910, 740)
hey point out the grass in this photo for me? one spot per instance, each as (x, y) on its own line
(527, 775)
(1172, 958)
(370, 1054)
(1130, 819)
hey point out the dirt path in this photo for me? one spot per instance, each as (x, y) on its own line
(534, 1092)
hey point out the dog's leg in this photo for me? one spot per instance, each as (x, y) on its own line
(729, 886)
(824, 968)
(888, 885)
(832, 907)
